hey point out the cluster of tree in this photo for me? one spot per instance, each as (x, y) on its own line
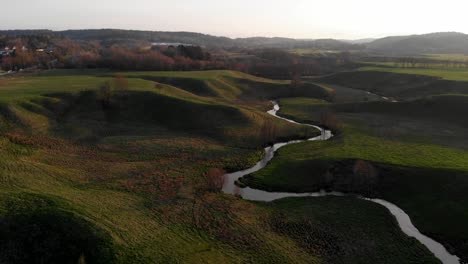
(66, 53)
(282, 64)
(187, 51)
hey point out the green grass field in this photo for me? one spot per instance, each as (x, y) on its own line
(449, 57)
(452, 74)
(122, 167)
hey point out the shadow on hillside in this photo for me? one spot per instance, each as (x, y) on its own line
(133, 112)
(269, 91)
(34, 231)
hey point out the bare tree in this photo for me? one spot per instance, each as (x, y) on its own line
(214, 180)
(105, 94)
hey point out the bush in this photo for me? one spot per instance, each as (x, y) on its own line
(213, 180)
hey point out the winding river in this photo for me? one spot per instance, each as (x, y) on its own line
(250, 194)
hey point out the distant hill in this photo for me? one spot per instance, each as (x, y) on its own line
(445, 42)
(113, 35)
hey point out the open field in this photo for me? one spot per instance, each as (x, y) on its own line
(449, 57)
(452, 74)
(425, 177)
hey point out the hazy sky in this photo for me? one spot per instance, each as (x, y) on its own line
(243, 18)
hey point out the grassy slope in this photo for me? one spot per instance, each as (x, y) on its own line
(428, 181)
(118, 182)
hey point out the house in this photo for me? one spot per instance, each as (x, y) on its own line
(47, 50)
(7, 52)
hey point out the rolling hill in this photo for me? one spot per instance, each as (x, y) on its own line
(434, 43)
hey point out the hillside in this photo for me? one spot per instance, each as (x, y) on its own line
(434, 43)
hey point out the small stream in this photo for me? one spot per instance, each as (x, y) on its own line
(250, 194)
